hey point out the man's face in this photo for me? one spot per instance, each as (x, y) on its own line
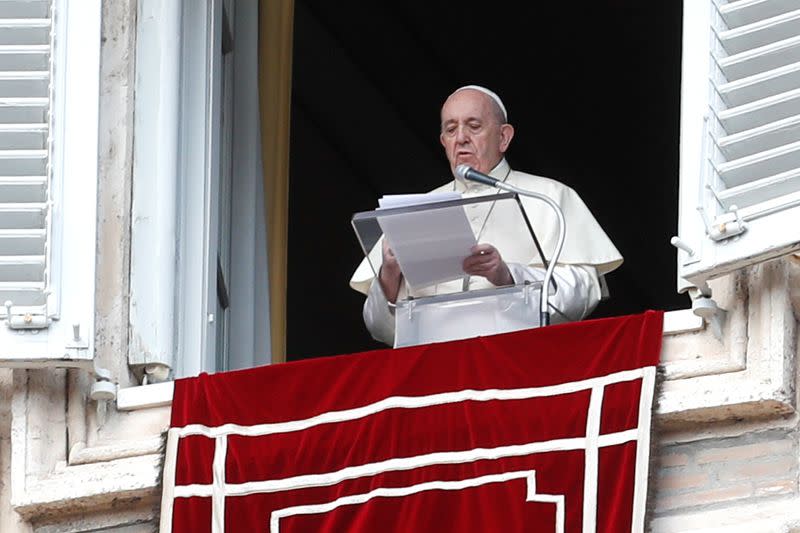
(471, 131)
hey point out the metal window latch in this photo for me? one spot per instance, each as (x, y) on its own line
(727, 225)
(26, 318)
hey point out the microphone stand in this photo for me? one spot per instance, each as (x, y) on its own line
(473, 175)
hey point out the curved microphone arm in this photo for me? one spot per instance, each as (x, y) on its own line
(467, 172)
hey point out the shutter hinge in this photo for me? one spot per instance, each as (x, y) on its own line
(103, 389)
(26, 318)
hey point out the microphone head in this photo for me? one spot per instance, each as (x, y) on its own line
(461, 171)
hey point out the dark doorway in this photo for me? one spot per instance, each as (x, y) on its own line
(592, 89)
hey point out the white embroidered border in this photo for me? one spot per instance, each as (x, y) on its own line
(592, 440)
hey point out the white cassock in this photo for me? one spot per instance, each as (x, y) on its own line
(587, 252)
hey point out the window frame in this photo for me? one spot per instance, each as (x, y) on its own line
(183, 340)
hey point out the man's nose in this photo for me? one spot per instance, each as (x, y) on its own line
(461, 135)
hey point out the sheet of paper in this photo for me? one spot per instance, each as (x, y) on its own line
(430, 245)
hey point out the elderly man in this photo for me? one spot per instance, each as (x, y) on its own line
(475, 131)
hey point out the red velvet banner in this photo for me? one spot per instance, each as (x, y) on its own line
(538, 430)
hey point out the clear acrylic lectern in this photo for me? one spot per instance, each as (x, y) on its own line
(453, 305)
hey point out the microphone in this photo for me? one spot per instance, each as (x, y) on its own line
(466, 172)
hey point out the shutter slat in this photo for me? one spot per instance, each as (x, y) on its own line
(23, 110)
(17, 84)
(26, 294)
(23, 189)
(760, 33)
(22, 216)
(24, 31)
(23, 162)
(22, 268)
(22, 242)
(763, 190)
(760, 59)
(761, 112)
(746, 12)
(25, 9)
(23, 136)
(747, 169)
(24, 58)
(760, 139)
(761, 85)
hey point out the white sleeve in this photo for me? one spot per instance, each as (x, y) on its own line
(378, 316)
(578, 289)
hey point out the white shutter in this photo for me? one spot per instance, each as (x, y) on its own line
(740, 135)
(49, 109)
(25, 33)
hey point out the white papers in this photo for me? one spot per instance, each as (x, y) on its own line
(430, 245)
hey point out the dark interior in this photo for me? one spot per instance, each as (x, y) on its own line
(592, 88)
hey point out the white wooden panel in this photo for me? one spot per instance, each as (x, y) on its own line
(751, 151)
(48, 179)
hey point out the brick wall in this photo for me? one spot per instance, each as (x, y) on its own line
(713, 473)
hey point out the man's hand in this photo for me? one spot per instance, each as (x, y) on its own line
(390, 274)
(486, 261)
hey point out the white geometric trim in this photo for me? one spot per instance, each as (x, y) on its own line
(402, 464)
(409, 402)
(218, 484)
(643, 450)
(395, 492)
(591, 460)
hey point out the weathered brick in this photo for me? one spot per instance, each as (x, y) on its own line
(748, 451)
(785, 467)
(673, 459)
(703, 497)
(682, 480)
(771, 488)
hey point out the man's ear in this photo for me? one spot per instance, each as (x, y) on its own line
(506, 134)
(441, 140)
